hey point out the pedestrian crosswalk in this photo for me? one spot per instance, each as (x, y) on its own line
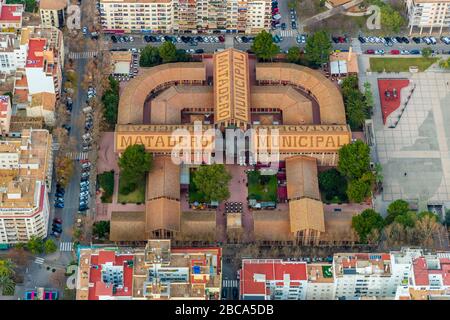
(77, 155)
(287, 33)
(230, 283)
(39, 260)
(66, 246)
(83, 55)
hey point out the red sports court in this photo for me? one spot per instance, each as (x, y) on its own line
(390, 98)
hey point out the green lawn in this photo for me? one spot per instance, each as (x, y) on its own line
(262, 188)
(400, 64)
(194, 194)
(137, 196)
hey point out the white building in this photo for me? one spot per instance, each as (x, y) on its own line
(26, 165)
(13, 54)
(320, 282)
(53, 13)
(428, 15)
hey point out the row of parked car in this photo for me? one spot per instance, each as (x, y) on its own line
(394, 52)
(121, 39)
(184, 39)
(390, 41)
(244, 39)
(84, 185)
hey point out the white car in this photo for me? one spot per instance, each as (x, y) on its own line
(131, 39)
(381, 52)
(84, 193)
(205, 39)
(238, 39)
(404, 52)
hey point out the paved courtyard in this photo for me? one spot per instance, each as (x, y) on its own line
(415, 154)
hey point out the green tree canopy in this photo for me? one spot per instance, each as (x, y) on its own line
(391, 20)
(212, 181)
(149, 57)
(365, 222)
(110, 100)
(50, 246)
(7, 285)
(332, 183)
(358, 190)
(264, 47)
(101, 229)
(168, 52)
(318, 48)
(426, 52)
(354, 160)
(35, 245)
(134, 164)
(407, 219)
(429, 214)
(355, 109)
(30, 5)
(396, 208)
(293, 55)
(7, 267)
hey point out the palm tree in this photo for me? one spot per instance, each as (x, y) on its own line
(7, 268)
(7, 285)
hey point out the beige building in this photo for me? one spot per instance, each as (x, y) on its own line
(428, 15)
(249, 16)
(43, 104)
(25, 179)
(53, 13)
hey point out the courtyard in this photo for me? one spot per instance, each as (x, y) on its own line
(414, 153)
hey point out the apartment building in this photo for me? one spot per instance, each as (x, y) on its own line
(136, 15)
(5, 115)
(191, 16)
(10, 16)
(26, 165)
(53, 13)
(12, 53)
(156, 272)
(273, 279)
(428, 16)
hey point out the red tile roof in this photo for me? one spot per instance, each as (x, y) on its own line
(95, 277)
(35, 58)
(273, 270)
(421, 271)
(8, 12)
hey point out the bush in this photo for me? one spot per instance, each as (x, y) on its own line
(106, 181)
(110, 101)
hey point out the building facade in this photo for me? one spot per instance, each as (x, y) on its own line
(13, 53)
(247, 16)
(53, 13)
(428, 15)
(26, 166)
(5, 115)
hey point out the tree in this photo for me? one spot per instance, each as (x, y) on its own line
(318, 48)
(149, 57)
(354, 160)
(429, 214)
(35, 245)
(394, 234)
(407, 219)
(425, 229)
(134, 164)
(444, 63)
(358, 190)
(391, 19)
(368, 96)
(64, 170)
(333, 184)
(7, 267)
(293, 55)
(212, 182)
(30, 5)
(101, 229)
(365, 222)
(426, 52)
(396, 208)
(264, 47)
(50, 246)
(7, 285)
(168, 52)
(355, 110)
(110, 100)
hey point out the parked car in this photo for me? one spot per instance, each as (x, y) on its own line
(57, 220)
(370, 51)
(59, 205)
(415, 52)
(395, 52)
(361, 39)
(83, 208)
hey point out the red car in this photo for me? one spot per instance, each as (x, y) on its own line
(395, 51)
(221, 38)
(275, 11)
(57, 220)
(370, 51)
(341, 39)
